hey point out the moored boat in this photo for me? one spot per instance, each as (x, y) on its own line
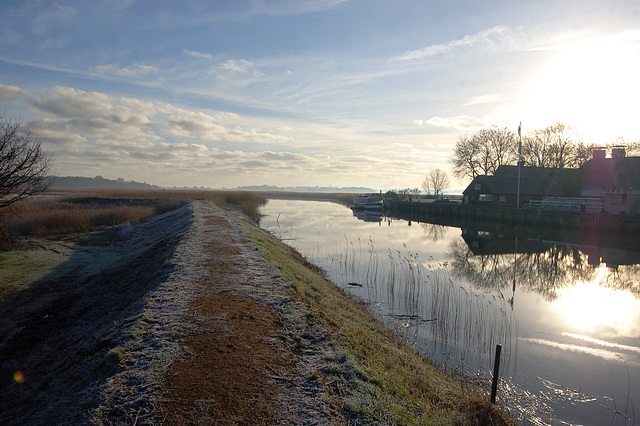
(368, 202)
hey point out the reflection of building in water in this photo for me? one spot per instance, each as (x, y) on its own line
(485, 242)
(614, 257)
(488, 243)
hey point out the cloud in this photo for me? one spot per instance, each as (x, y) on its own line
(53, 25)
(75, 117)
(236, 65)
(199, 55)
(91, 132)
(484, 99)
(462, 122)
(236, 71)
(10, 92)
(485, 38)
(133, 71)
(572, 40)
(69, 102)
(53, 18)
(287, 8)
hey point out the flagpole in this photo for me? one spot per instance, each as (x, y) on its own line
(519, 162)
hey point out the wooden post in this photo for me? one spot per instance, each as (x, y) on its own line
(496, 368)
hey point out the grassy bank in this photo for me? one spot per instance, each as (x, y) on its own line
(378, 378)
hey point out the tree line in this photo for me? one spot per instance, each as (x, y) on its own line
(557, 146)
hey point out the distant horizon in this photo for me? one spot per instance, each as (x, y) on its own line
(318, 188)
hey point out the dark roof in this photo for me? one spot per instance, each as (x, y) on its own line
(509, 186)
(537, 172)
(533, 181)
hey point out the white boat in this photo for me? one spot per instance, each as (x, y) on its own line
(368, 202)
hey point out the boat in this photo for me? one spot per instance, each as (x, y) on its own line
(373, 216)
(368, 202)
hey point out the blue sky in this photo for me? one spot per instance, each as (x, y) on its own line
(319, 92)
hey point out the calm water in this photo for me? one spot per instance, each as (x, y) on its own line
(567, 315)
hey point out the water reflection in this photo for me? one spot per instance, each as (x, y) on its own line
(490, 261)
(565, 306)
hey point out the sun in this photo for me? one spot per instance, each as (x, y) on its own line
(593, 85)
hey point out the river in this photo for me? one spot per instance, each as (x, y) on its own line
(567, 315)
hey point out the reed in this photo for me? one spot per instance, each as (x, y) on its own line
(248, 202)
(53, 216)
(453, 325)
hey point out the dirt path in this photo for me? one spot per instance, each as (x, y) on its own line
(176, 320)
(241, 366)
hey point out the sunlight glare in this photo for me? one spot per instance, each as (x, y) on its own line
(589, 307)
(592, 85)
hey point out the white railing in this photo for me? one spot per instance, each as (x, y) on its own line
(589, 205)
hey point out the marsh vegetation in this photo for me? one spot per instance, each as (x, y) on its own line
(58, 214)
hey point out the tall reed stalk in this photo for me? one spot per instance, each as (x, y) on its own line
(454, 325)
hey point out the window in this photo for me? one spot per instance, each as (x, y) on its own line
(478, 187)
(485, 197)
(502, 199)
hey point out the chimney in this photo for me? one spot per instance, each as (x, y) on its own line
(618, 152)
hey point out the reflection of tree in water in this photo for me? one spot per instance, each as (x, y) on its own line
(545, 273)
(433, 231)
(625, 277)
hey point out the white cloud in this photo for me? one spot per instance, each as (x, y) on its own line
(463, 122)
(10, 92)
(133, 71)
(484, 99)
(199, 55)
(288, 8)
(236, 65)
(577, 40)
(485, 38)
(69, 102)
(91, 124)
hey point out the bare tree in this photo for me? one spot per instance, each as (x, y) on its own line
(426, 185)
(483, 152)
(632, 148)
(436, 181)
(23, 163)
(557, 145)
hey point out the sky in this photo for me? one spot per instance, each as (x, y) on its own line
(373, 93)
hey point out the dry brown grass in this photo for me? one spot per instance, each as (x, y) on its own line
(54, 216)
(248, 202)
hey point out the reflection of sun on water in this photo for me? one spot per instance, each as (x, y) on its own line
(589, 307)
(592, 85)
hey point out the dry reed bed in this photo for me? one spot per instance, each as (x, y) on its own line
(51, 216)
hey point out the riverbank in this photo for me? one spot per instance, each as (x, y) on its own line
(199, 316)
